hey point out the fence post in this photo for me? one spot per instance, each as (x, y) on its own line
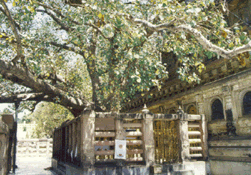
(87, 138)
(48, 147)
(119, 135)
(37, 146)
(184, 139)
(149, 148)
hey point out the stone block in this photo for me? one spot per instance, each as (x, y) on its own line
(230, 152)
(217, 127)
(229, 167)
(155, 169)
(8, 119)
(246, 143)
(214, 72)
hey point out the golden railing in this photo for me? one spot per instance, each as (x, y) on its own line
(167, 149)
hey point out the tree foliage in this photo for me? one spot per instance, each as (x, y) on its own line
(102, 53)
(7, 111)
(47, 117)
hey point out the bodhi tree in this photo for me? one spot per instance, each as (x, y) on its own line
(99, 54)
(47, 117)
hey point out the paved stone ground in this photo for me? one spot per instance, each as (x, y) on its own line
(33, 166)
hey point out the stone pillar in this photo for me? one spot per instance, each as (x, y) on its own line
(119, 135)
(228, 102)
(87, 121)
(37, 147)
(73, 140)
(200, 104)
(183, 134)
(4, 144)
(48, 147)
(200, 108)
(148, 138)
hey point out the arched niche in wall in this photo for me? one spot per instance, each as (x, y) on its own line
(161, 109)
(172, 111)
(217, 110)
(246, 103)
(191, 109)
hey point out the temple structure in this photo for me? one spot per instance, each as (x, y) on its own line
(223, 95)
(186, 128)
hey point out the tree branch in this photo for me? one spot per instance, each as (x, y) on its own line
(14, 30)
(64, 46)
(228, 54)
(16, 24)
(25, 97)
(57, 12)
(99, 30)
(57, 20)
(9, 70)
(63, 26)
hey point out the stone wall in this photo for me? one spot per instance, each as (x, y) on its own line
(230, 156)
(100, 131)
(243, 126)
(230, 90)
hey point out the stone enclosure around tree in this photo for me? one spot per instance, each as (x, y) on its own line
(87, 143)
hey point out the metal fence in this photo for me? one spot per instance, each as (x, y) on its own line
(167, 148)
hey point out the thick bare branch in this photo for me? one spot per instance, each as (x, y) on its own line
(25, 97)
(64, 46)
(14, 30)
(228, 54)
(9, 70)
(54, 77)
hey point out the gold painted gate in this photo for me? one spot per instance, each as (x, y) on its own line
(166, 141)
